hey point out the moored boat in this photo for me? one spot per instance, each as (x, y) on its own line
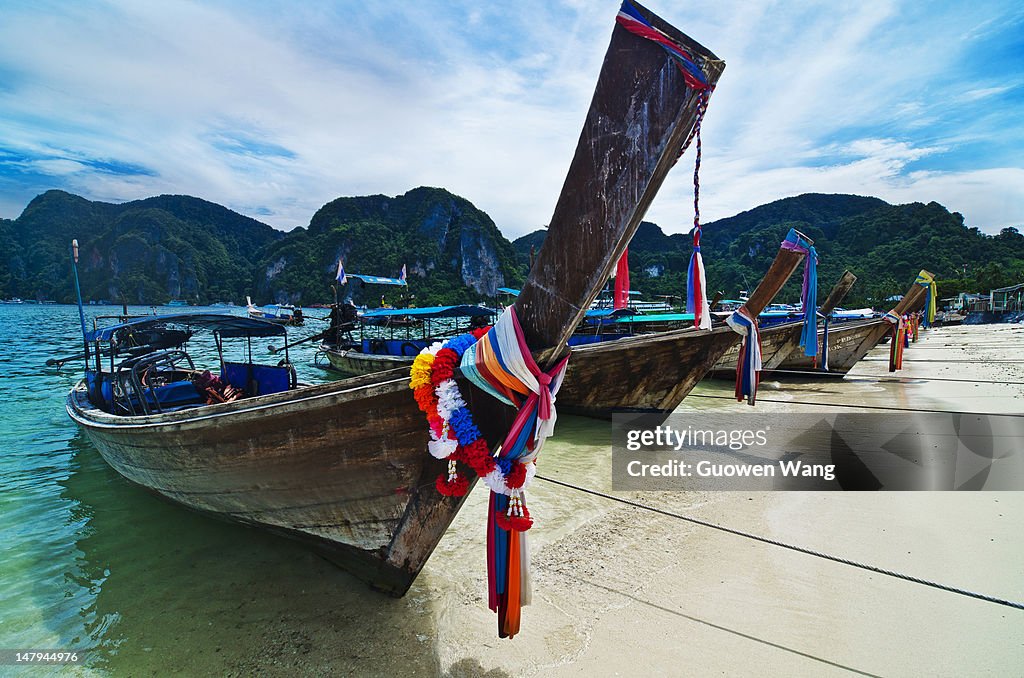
(281, 314)
(344, 465)
(779, 341)
(849, 342)
(388, 338)
(655, 372)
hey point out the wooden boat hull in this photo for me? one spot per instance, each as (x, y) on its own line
(341, 466)
(355, 363)
(776, 344)
(781, 350)
(849, 342)
(345, 465)
(647, 373)
(627, 374)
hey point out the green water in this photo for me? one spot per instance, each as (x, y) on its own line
(145, 587)
(92, 562)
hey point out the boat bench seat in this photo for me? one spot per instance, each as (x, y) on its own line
(172, 396)
(256, 380)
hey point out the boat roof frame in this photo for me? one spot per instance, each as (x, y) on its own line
(228, 326)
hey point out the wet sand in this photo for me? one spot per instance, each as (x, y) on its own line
(622, 591)
(627, 592)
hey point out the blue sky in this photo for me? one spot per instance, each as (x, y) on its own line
(273, 109)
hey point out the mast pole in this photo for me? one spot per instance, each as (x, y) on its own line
(78, 292)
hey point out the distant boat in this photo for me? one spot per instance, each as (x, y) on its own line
(14, 300)
(386, 338)
(280, 314)
(177, 302)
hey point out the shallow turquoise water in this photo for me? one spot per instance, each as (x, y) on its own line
(91, 561)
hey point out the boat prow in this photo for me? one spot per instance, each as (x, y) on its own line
(344, 465)
(341, 466)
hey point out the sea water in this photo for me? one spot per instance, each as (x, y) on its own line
(142, 586)
(94, 563)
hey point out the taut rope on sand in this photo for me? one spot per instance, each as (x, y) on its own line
(791, 547)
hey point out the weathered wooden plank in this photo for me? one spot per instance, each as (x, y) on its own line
(628, 145)
(838, 293)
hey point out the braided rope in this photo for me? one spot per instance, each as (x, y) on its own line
(701, 107)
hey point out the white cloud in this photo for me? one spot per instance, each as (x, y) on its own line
(485, 100)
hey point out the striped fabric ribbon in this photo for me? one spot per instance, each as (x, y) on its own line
(748, 363)
(897, 340)
(824, 343)
(809, 292)
(696, 288)
(927, 280)
(629, 17)
(501, 364)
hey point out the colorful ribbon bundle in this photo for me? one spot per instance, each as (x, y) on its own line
(621, 296)
(896, 343)
(696, 292)
(631, 19)
(809, 292)
(927, 280)
(748, 363)
(499, 362)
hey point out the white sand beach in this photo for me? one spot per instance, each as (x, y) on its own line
(621, 591)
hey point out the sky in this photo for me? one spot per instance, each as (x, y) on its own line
(275, 108)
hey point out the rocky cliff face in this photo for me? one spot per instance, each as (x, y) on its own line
(452, 251)
(146, 251)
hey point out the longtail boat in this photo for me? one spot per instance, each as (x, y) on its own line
(651, 372)
(343, 466)
(281, 314)
(654, 372)
(851, 341)
(389, 338)
(779, 342)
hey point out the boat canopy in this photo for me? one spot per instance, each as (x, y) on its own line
(376, 279)
(610, 312)
(226, 325)
(509, 290)
(623, 315)
(844, 313)
(655, 318)
(464, 311)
